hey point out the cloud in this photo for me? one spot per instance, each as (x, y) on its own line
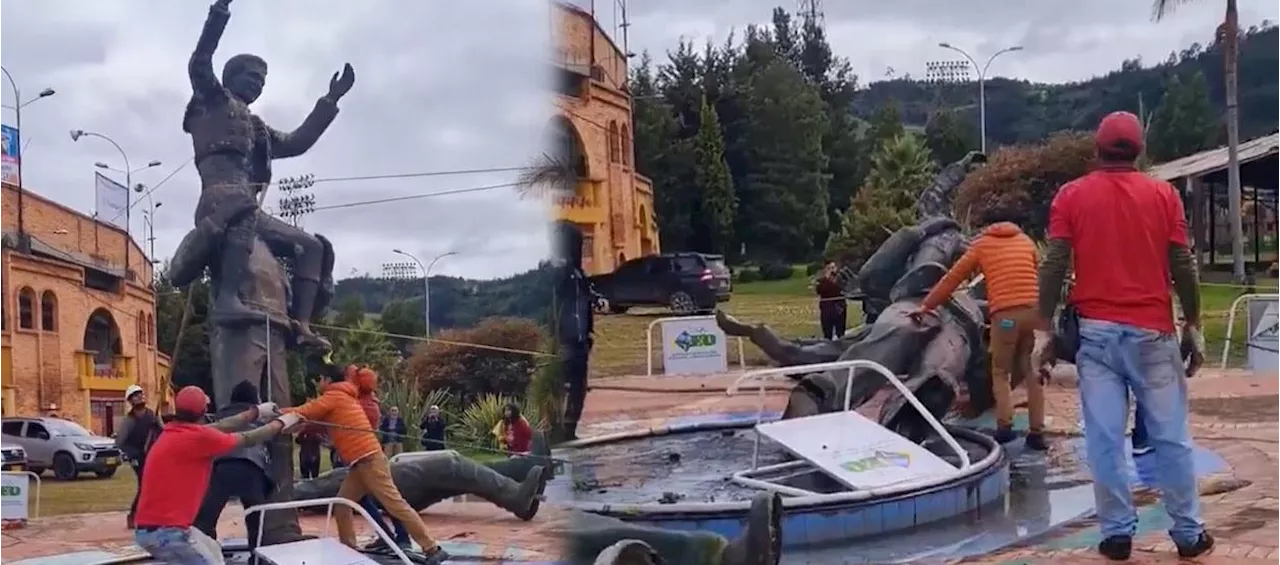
(1063, 41)
(440, 86)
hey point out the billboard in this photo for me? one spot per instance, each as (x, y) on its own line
(111, 201)
(10, 154)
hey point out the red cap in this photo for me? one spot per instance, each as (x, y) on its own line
(192, 400)
(1119, 132)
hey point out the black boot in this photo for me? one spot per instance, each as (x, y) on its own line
(1201, 546)
(304, 300)
(233, 270)
(1116, 548)
(524, 502)
(1036, 441)
(1005, 435)
(761, 543)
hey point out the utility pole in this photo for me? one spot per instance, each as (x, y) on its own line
(982, 83)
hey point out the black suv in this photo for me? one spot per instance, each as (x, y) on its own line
(688, 283)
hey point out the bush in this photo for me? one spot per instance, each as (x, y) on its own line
(748, 275)
(813, 268)
(475, 426)
(775, 271)
(451, 362)
(1023, 180)
(900, 169)
(406, 394)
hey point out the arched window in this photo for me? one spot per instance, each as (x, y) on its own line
(614, 151)
(48, 311)
(626, 145)
(567, 145)
(141, 335)
(151, 329)
(26, 308)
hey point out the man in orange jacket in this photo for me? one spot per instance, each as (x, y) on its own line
(356, 442)
(1009, 261)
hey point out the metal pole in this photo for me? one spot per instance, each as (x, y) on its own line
(982, 84)
(17, 118)
(426, 300)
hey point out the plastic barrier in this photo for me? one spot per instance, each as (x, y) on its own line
(36, 513)
(648, 336)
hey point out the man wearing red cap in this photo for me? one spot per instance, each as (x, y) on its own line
(178, 470)
(1125, 234)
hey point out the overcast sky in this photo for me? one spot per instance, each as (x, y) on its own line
(1062, 41)
(439, 86)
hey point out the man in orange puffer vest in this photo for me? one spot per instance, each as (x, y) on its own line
(356, 442)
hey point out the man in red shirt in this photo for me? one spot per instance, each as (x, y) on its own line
(178, 469)
(1125, 235)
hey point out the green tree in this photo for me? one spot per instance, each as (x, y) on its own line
(949, 137)
(190, 363)
(349, 310)
(366, 344)
(1184, 123)
(900, 169)
(403, 317)
(719, 205)
(783, 202)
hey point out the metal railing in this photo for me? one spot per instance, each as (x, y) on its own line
(1231, 323)
(328, 503)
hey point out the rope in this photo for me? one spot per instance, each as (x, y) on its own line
(436, 340)
(403, 437)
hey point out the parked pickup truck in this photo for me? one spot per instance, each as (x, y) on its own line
(61, 445)
(688, 283)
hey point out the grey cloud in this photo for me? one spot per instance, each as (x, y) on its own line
(440, 86)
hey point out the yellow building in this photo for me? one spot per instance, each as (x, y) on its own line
(78, 325)
(613, 205)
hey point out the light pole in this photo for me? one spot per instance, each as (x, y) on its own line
(149, 222)
(17, 106)
(128, 171)
(400, 269)
(982, 83)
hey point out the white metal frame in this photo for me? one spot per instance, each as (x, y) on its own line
(39, 487)
(1231, 322)
(748, 478)
(328, 503)
(648, 336)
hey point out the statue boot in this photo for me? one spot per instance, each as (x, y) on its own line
(233, 271)
(453, 472)
(304, 300)
(761, 542)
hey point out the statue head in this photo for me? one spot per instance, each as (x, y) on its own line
(245, 75)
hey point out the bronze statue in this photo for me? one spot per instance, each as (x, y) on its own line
(428, 477)
(258, 311)
(943, 359)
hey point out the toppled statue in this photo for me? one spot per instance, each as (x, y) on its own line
(943, 358)
(427, 477)
(593, 539)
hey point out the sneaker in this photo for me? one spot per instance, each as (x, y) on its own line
(1005, 435)
(1116, 548)
(1201, 546)
(437, 556)
(1036, 442)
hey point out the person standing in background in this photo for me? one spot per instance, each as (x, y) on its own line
(309, 441)
(433, 429)
(833, 311)
(575, 322)
(393, 430)
(138, 432)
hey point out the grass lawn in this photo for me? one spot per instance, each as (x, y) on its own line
(90, 494)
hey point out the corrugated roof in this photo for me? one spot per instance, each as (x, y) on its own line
(1214, 160)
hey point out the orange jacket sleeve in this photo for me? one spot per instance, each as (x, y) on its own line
(315, 409)
(942, 291)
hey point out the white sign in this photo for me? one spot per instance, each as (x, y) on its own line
(856, 451)
(111, 201)
(1263, 339)
(320, 551)
(14, 500)
(695, 346)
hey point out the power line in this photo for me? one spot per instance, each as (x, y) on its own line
(417, 196)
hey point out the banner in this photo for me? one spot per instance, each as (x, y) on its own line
(10, 154)
(14, 501)
(111, 202)
(694, 346)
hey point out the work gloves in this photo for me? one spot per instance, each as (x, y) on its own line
(267, 411)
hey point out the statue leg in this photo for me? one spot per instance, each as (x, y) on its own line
(239, 353)
(308, 263)
(427, 475)
(233, 271)
(761, 541)
(782, 351)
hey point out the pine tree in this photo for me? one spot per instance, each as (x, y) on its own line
(1184, 122)
(900, 169)
(948, 136)
(719, 204)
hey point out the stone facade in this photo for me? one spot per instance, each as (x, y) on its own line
(78, 328)
(613, 205)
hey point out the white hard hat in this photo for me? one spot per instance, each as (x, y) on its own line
(132, 390)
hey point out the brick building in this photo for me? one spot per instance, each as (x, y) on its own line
(613, 205)
(78, 326)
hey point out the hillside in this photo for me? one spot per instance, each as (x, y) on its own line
(1023, 111)
(455, 302)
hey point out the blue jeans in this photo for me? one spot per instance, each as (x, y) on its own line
(371, 505)
(1115, 359)
(179, 546)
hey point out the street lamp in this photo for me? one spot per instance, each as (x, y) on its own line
(982, 83)
(426, 283)
(17, 106)
(128, 171)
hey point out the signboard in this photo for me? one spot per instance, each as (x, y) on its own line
(320, 551)
(14, 499)
(1263, 341)
(694, 346)
(111, 201)
(856, 451)
(10, 154)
